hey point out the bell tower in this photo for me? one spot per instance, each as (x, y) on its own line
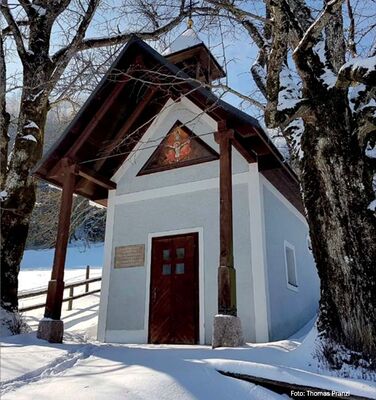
(189, 53)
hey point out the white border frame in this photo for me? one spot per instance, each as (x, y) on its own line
(283, 199)
(258, 255)
(201, 276)
(106, 270)
(181, 188)
(287, 244)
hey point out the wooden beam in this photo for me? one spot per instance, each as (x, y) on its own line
(239, 146)
(96, 178)
(126, 127)
(257, 145)
(246, 131)
(268, 161)
(226, 270)
(97, 117)
(56, 284)
(57, 170)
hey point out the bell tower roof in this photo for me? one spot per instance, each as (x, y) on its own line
(189, 53)
(187, 39)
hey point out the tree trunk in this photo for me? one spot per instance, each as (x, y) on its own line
(4, 118)
(20, 186)
(27, 151)
(337, 187)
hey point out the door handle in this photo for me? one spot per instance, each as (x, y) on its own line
(154, 294)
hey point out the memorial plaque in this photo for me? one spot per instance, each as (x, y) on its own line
(130, 256)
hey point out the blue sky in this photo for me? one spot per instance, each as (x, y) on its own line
(237, 47)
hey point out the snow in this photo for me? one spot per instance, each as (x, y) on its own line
(5, 316)
(292, 375)
(77, 256)
(281, 144)
(87, 369)
(37, 279)
(368, 64)
(94, 371)
(82, 368)
(296, 130)
(259, 71)
(96, 205)
(41, 11)
(34, 97)
(188, 38)
(355, 92)
(53, 186)
(372, 205)
(328, 77)
(288, 96)
(31, 125)
(29, 137)
(3, 195)
(371, 150)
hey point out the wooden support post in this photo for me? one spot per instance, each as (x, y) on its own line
(227, 327)
(226, 271)
(87, 277)
(70, 302)
(56, 284)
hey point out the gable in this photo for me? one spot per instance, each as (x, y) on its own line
(115, 117)
(180, 148)
(128, 177)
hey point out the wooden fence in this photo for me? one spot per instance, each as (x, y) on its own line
(69, 299)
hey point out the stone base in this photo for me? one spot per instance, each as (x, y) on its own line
(227, 331)
(51, 330)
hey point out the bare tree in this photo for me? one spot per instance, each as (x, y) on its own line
(45, 56)
(325, 108)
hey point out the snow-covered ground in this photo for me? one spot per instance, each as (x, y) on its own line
(82, 368)
(29, 279)
(78, 256)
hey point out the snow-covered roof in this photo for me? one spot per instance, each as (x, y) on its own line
(187, 39)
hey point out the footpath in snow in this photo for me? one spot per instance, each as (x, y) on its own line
(83, 369)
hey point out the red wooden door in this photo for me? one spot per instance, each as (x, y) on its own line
(174, 300)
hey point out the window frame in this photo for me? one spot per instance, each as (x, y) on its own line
(289, 285)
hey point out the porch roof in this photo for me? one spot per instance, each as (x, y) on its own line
(121, 108)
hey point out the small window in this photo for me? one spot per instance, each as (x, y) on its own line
(290, 262)
(166, 254)
(180, 252)
(166, 269)
(179, 269)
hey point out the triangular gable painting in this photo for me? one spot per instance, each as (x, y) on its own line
(180, 148)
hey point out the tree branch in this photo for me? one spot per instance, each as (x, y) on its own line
(14, 28)
(335, 47)
(239, 13)
(8, 30)
(4, 117)
(359, 70)
(351, 39)
(62, 60)
(248, 99)
(124, 37)
(314, 31)
(258, 71)
(26, 6)
(277, 58)
(311, 65)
